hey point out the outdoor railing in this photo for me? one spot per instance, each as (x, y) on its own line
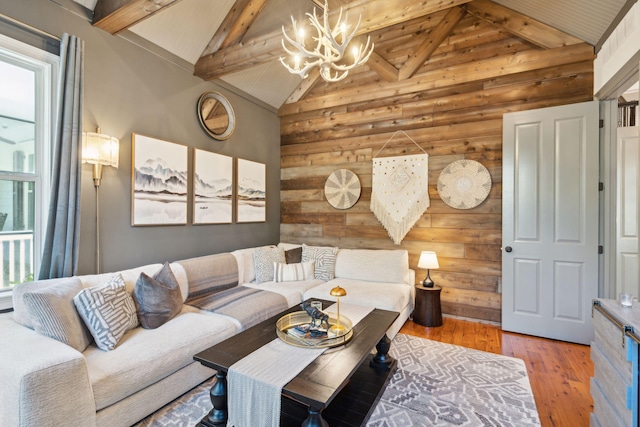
(16, 258)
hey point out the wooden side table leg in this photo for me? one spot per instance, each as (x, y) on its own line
(217, 417)
(314, 419)
(382, 360)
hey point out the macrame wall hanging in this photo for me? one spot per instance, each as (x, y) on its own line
(400, 190)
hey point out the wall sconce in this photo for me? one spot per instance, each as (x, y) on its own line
(99, 150)
(428, 260)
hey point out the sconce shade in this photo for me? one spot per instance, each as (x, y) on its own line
(100, 149)
(428, 260)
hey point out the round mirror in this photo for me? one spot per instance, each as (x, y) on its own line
(216, 115)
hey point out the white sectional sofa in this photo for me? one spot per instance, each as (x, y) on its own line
(46, 382)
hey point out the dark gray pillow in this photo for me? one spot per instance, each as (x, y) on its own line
(158, 298)
(293, 256)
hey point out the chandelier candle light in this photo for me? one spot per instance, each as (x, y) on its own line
(330, 48)
(338, 292)
(428, 260)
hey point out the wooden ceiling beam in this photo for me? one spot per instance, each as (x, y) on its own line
(375, 16)
(431, 42)
(305, 86)
(114, 16)
(235, 25)
(384, 68)
(521, 25)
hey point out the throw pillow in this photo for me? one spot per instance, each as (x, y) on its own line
(263, 258)
(108, 311)
(54, 315)
(292, 272)
(324, 258)
(158, 299)
(293, 256)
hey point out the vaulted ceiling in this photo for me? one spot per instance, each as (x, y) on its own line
(239, 41)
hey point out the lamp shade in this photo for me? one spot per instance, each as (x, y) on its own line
(338, 292)
(100, 149)
(428, 260)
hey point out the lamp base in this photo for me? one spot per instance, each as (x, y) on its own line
(427, 282)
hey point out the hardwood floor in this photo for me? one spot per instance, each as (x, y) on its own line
(559, 372)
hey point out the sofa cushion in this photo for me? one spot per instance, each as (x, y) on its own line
(108, 311)
(263, 259)
(210, 273)
(246, 270)
(158, 298)
(375, 265)
(145, 356)
(387, 296)
(324, 258)
(292, 291)
(54, 315)
(292, 272)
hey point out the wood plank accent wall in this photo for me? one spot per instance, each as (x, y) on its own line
(452, 107)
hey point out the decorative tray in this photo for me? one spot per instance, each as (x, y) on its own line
(290, 329)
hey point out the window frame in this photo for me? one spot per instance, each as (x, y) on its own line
(45, 66)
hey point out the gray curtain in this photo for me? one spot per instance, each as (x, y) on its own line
(60, 254)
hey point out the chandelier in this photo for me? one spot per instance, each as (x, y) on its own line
(329, 52)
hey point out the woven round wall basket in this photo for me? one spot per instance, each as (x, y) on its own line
(342, 189)
(464, 184)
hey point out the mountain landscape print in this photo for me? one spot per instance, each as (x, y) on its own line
(251, 191)
(213, 188)
(159, 182)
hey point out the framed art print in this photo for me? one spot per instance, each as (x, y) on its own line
(251, 193)
(213, 188)
(159, 182)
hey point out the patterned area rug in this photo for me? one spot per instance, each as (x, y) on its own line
(436, 384)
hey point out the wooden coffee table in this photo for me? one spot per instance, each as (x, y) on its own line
(340, 388)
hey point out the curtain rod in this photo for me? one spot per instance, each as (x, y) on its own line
(28, 27)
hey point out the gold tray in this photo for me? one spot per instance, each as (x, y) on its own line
(291, 320)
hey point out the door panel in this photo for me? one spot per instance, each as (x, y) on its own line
(550, 220)
(627, 223)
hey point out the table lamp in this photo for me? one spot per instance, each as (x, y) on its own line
(338, 292)
(428, 260)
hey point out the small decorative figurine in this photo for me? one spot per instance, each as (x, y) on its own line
(318, 318)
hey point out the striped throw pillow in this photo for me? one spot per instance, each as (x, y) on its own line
(292, 272)
(108, 311)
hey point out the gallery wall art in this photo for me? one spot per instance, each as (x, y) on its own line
(213, 188)
(251, 194)
(159, 182)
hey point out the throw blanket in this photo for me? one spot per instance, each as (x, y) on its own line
(210, 274)
(400, 192)
(259, 377)
(247, 305)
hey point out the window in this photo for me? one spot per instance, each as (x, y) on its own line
(25, 158)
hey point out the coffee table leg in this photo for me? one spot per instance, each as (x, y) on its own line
(382, 360)
(315, 419)
(218, 415)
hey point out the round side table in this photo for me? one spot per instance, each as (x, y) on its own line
(428, 311)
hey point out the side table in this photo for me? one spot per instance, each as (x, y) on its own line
(428, 311)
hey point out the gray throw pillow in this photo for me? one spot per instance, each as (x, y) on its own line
(108, 311)
(293, 256)
(54, 315)
(263, 259)
(158, 298)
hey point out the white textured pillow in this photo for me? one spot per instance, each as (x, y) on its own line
(108, 312)
(263, 258)
(324, 258)
(292, 272)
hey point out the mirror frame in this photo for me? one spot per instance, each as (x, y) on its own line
(227, 106)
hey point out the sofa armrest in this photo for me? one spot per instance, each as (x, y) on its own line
(44, 382)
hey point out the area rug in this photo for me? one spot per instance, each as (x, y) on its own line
(436, 384)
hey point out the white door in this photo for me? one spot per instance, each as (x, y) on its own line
(550, 221)
(627, 212)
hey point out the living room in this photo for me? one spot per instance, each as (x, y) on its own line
(131, 87)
